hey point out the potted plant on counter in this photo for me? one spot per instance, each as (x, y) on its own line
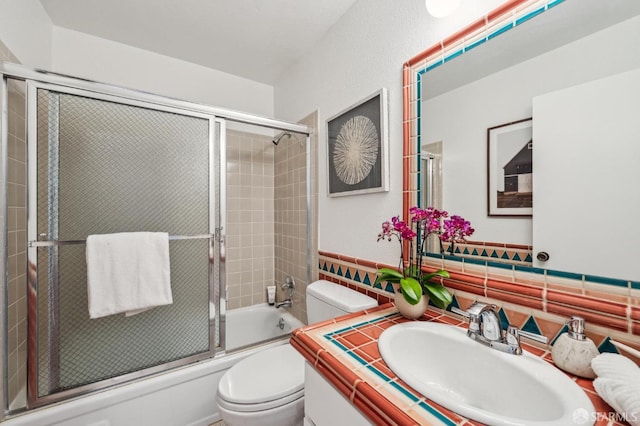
(415, 286)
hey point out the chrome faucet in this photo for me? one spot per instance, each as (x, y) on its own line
(485, 328)
(286, 303)
(289, 286)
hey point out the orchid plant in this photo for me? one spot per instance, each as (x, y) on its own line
(414, 282)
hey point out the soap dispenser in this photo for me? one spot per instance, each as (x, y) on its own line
(573, 351)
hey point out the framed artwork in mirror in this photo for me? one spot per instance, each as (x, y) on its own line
(357, 146)
(510, 169)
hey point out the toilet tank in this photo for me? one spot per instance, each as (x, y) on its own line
(327, 300)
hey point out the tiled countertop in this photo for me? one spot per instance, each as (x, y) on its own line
(345, 352)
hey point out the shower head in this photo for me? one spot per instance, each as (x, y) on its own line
(276, 140)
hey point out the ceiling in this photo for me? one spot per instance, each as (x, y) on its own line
(254, 39)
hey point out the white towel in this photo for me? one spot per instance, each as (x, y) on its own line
(127, 272)
(618, 383)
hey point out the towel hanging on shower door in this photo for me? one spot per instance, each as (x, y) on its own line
(127, 272)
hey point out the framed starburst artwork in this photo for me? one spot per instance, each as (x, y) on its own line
(357, 148)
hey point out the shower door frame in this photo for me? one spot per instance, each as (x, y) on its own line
(22, 73)
(34, 242)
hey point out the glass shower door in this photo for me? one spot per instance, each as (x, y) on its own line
(99, 164)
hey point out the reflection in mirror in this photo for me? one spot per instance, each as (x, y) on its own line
(575, 69)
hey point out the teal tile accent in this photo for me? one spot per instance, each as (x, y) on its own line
(516, 257)
(476, 261)
(562, 274)
(389, 288)
(356, 277)
(635, 285)
(505, 256)
(405, 392)
(531, 326)
(377, 285)
(378, 373)
(484, 253)
(457, 250)
(348, 274)
(494, 254)
(499, 31)
(563, 330)
(500, 265)
(466, 250)
(607, 346)
(366, 280)
(340, 270)
(332, 270)
(528, 258)
(474, 252)
(530, 269)
(504, 319)
(605, 280)
(357, 358)
(437, 414)
(324, 267)
(529, 16)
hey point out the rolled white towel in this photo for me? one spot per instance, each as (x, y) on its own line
(618, 383)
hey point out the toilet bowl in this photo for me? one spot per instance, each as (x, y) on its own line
(267, 388)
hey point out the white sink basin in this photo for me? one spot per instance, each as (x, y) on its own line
(481, 383)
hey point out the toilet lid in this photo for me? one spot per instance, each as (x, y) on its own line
(268, 375)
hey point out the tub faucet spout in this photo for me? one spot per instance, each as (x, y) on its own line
(285, 303)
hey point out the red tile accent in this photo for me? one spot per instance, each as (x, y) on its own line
(585, 302)
(635, 328)
(346, 258)
(467, 278)
(328, 254)
(522, 289)
(366, 263)
(374, 399)
(457, 285)
(512, 298)
(635, 313)
(596, 318)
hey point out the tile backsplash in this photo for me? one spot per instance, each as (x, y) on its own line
(536, 300)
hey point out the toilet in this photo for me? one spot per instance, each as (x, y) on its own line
(267, 388)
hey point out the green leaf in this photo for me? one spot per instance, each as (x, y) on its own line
(438, 294)
(412, 271)
(438, 273)
(411, 290)
(388, 274)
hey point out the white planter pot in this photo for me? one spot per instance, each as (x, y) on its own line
(408, 310)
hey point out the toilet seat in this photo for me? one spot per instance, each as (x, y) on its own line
(281, 372)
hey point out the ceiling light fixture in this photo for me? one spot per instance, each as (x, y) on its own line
(441, 8)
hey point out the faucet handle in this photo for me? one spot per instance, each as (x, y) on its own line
(460, 312)
(514, 334)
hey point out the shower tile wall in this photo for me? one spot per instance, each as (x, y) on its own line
(250, 218)
(17, 237)
(290, 214)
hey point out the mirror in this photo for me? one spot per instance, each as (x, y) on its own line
(575, 69)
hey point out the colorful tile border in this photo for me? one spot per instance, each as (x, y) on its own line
(515, 254)
(535, 300)
(345, 351)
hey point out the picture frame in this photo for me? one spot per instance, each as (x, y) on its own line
(357, 148)
(510, 169)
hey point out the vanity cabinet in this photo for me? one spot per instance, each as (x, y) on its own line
(323, 405)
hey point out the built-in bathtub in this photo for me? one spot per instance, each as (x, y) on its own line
(180, 397)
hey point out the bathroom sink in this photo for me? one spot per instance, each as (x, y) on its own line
(480, 383)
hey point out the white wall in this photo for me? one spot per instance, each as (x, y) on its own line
(362, 53)
(95, 58)
(504, 97)
(25, 28)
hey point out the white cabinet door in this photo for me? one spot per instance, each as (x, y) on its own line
(324, 405)
(586, 177)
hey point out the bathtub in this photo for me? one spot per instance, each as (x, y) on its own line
(181, 397)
